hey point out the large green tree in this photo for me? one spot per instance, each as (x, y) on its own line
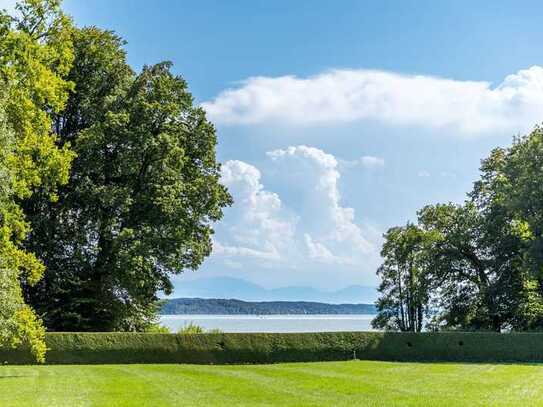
(475, 267)
(510, 190)
(459, 265)
(405, 280)
(35, 54)
(486, 260)
(143, 194)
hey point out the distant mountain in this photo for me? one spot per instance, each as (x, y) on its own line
(181, 306)
(228, 287)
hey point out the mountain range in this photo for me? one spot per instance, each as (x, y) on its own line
(228, 287)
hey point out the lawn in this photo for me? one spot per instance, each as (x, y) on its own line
(355, 383)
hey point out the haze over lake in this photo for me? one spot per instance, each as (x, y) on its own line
(271, 323)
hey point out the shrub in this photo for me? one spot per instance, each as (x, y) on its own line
(157, 329)
(191, 329)
(99, 348)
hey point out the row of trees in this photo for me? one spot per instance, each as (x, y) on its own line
(475, 266)
(109, 179)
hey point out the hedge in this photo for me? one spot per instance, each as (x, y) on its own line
(116, 348)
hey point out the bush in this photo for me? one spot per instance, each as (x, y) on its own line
(157, 329)
(96, 348)
(191, 329)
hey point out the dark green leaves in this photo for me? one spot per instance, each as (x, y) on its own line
(143, 194)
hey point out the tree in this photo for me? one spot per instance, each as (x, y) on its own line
(509, 191)
(35, 52)
(474, 262)
(143, 194)
(405, 282)
(460, 265)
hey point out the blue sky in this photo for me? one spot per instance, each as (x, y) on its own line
(337, 120)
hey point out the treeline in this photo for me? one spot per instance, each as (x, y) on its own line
(475, 266)
(179, 306)
(109, 182)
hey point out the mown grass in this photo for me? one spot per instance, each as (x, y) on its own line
(355, 383)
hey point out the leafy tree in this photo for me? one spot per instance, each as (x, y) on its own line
(460, 262)
(509, 190)
(404, 288)
(143, 193)
(17, 321)
(35, 52)
(474, 262)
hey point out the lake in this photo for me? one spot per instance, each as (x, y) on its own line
(271, 323)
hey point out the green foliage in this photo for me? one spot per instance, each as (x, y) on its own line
(474, 263)
(127, 347)
(156, 328)
(405, 280)
(510, 188)
(35, 52)
(191, 329)
(484, 261)
(143, 194)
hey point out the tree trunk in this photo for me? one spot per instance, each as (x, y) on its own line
(402, 312)
(419, 318)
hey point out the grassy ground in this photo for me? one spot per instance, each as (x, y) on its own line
(356, 383)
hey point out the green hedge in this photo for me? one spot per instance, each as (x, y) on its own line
(89, 348)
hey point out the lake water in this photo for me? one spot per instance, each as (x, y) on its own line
(271, 323)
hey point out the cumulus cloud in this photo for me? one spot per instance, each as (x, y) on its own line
(319, 230)
(256, 225)
(342, 96)
(320, 253)
(331, 234)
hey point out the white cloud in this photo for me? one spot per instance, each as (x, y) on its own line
(330, 232)
(341, 96)
(320, 230)
(423, 174)
(256, 225)
(367, 161)
(371, 162)
(320, 253)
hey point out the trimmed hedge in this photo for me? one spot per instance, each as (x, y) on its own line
(116, 348)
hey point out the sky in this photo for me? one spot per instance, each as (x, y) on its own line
(337, 120)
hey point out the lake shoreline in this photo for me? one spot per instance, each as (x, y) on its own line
(244, 323)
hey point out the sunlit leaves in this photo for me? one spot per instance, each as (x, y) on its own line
(35, 52)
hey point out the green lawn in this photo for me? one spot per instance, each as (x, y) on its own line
(356, 383)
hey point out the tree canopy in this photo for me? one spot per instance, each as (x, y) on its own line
(109, 182)
(35, 54)
(483, 258)
(403, 304)
(142, 196)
